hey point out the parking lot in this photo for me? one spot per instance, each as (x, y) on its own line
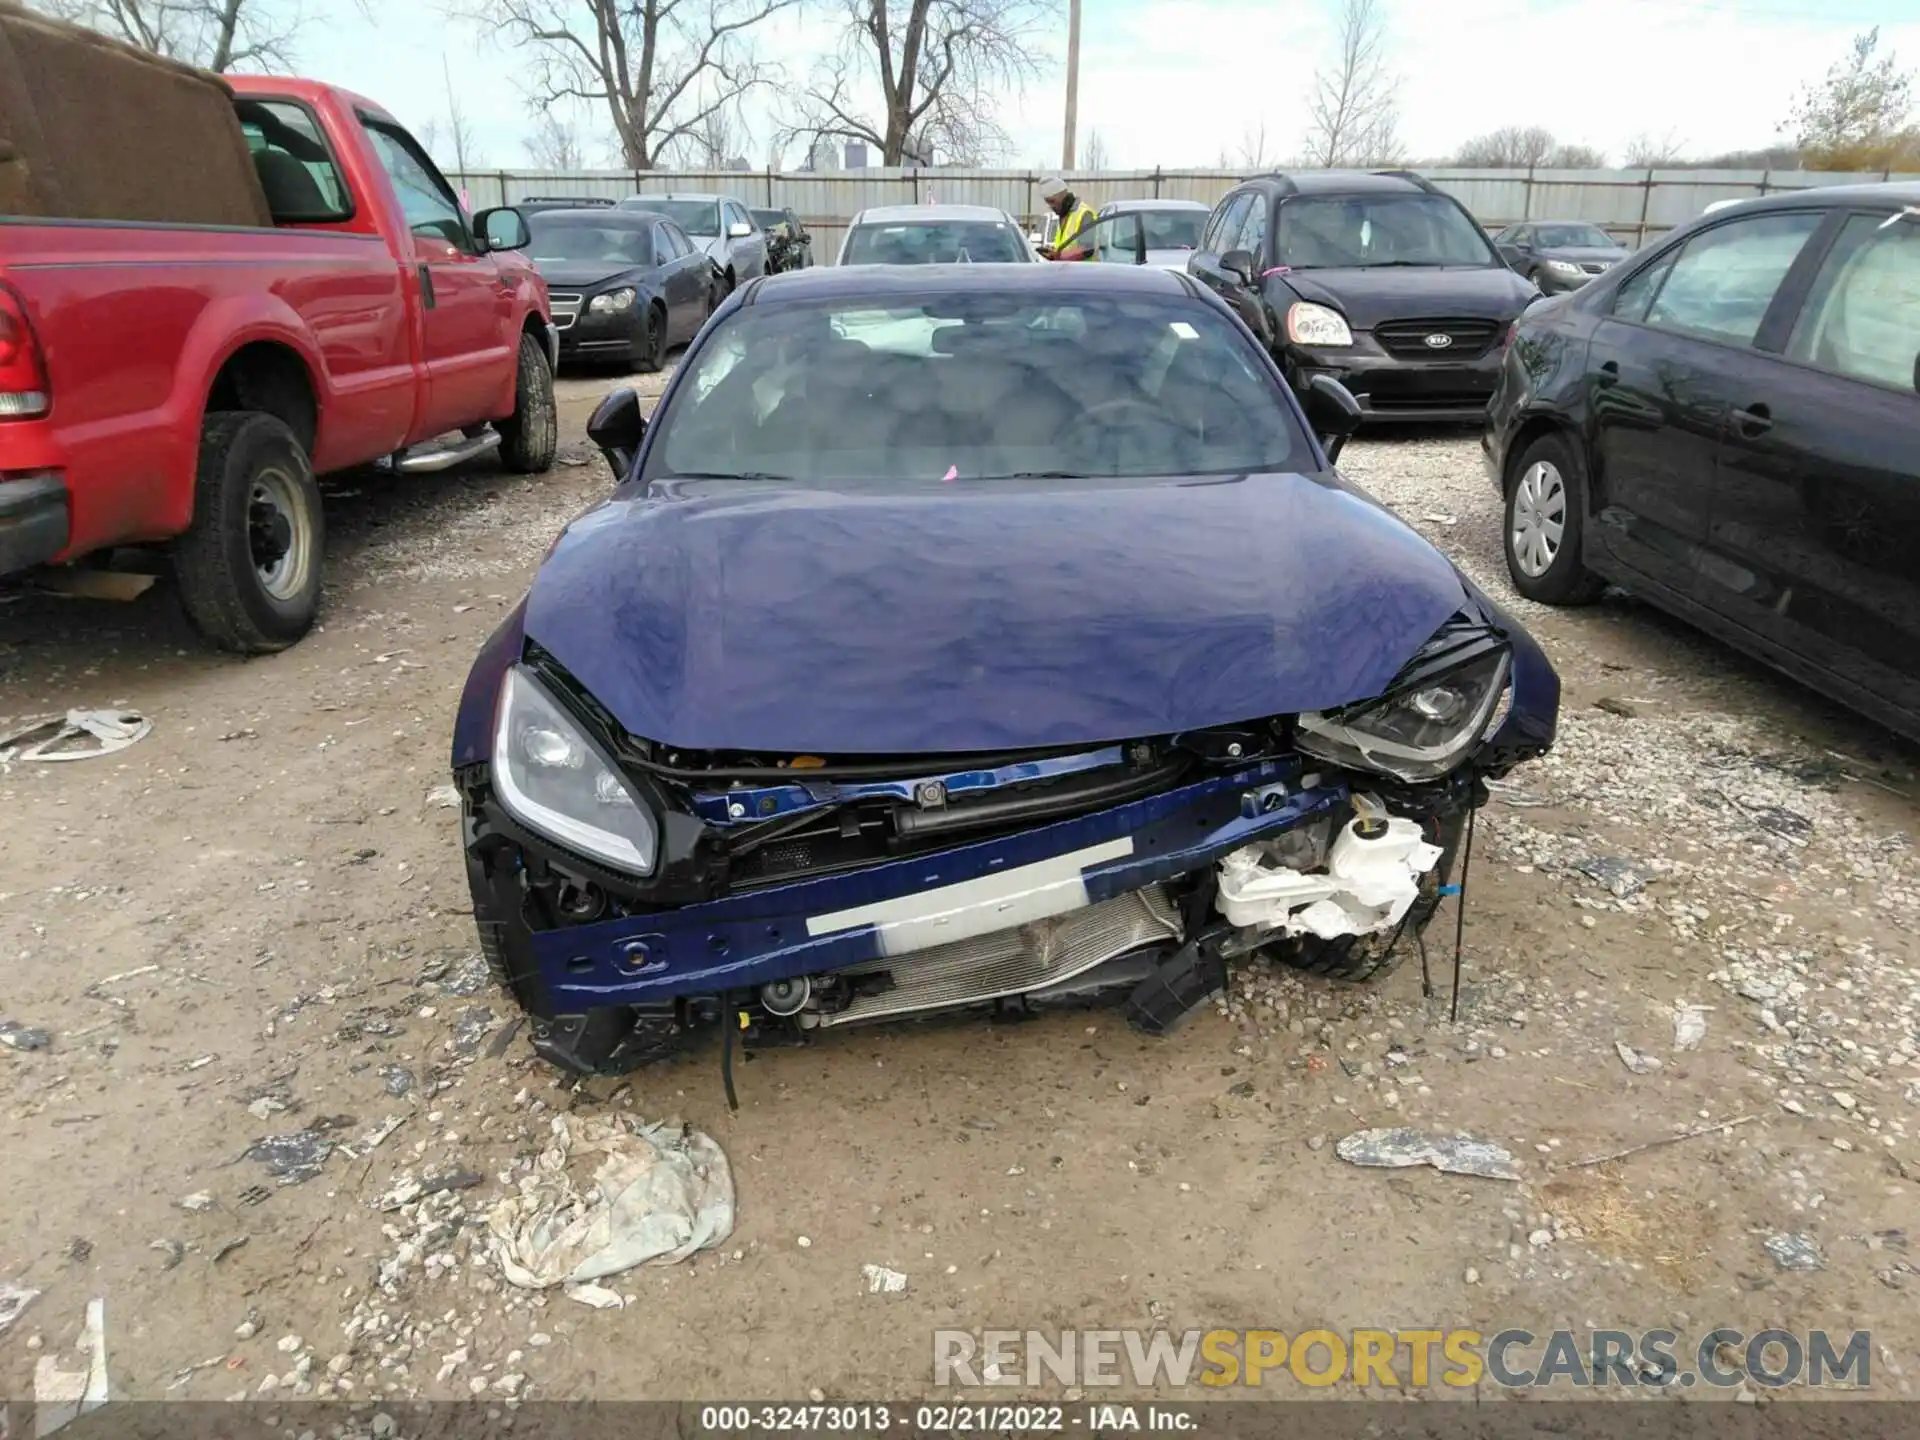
(254, 923)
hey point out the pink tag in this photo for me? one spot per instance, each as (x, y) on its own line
(953, 473)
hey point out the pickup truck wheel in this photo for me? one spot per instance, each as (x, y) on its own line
(529, 435)
(248, 566)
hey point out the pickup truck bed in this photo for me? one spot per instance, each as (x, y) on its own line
(182, 383)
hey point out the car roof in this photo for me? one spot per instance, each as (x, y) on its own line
(928, 214)
(1126, 207)
(609, 215)
(640, 202)
(1342, 182)
(880, 281)
(1898, 192)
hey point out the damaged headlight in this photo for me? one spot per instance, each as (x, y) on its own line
(1438, 708)
(553, 779)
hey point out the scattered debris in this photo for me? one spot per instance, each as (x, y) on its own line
(183, 1375)
(1795, 1252)
(1689, 1026)
(1695, 1134)
(14, 1300)
(1616, 874)
(61, 1396)
(227, 1247)
(397, 1080)
(1637, 1061)
(373, 1139)
(882, 1281)
(199, 1200)
(470, 1027)
(81, 735)
(598, 1296)
(1454, 1154)
(298, 1156)
(659, 1194)
(1615, 705)
(172, 1249)
(79, 1250)
(16, 1036)
(444, 797)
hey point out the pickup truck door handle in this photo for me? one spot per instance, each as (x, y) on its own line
(1753, 421)
(426, 287)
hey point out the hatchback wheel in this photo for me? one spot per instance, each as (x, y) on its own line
(1545, 518)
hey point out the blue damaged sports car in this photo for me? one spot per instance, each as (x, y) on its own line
(972, 637)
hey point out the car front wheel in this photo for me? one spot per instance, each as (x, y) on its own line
(1545, 522)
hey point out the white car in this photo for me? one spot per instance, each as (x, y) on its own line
(1173, 230)
(935, 235)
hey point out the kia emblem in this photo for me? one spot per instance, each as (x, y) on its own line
(1439, 341)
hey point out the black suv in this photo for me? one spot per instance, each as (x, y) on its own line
(1728, 424)
(1378, 280)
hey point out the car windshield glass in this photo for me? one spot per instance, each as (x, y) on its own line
(562, 238)
(767, 219)
(696, 217)
(1574, 237)
(939, 242)
(1173, 229)
(974, 387)
(1362, 230)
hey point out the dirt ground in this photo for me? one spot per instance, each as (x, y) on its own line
(255, 923)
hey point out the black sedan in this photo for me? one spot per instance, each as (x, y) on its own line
(625, 285)
(1559, 255)
(1729, 425)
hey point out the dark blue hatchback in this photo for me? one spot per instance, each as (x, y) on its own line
(971, 636)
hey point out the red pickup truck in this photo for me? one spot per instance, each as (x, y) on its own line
(180, 384)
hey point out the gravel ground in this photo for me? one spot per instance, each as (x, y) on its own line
(252, 927)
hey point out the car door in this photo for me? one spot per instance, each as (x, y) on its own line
(1222, 227)
(671, 258)
(466, 305)
(749, 251)
(1817, 500)
(1664, 367)
(1250, 301)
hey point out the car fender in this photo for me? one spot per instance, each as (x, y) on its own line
(220, 331)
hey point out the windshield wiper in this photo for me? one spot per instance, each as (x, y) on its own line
(726, 475)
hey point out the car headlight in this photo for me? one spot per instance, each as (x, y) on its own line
(1442, 704)
(1563, 267)
(553, 779)
(611, 303)
(1310, 324)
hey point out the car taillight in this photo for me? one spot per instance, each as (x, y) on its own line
(23, 375)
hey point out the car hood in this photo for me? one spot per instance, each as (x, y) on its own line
(1369, 296)
(587, 275)
(787, 619)
(1606, 254)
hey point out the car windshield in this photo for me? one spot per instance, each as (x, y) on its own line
(1173, 229)
(563, 238)
(696, 217)
(934, 242)
(767, 219)
(1357, 231)
(1573, 237)
(975, 387)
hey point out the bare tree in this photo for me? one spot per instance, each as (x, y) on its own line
(1525, 147)
(1352, 117)
(554, 144)
(1647, 151)
(1093, 154)
(710, 145)
(1253, 148)
(937, 68)
(660, 67)
(459, 132)
(214, 34)
(1856, 118)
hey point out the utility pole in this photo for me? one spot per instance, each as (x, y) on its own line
(1067, 155)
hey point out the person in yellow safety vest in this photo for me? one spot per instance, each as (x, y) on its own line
(1074, 217)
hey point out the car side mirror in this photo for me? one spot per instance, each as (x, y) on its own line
(1238, 264)
(616, 429)
(502, 228)
(1333, 413)
(739, 230)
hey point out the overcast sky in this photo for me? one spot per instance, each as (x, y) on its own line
(1177, 82)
